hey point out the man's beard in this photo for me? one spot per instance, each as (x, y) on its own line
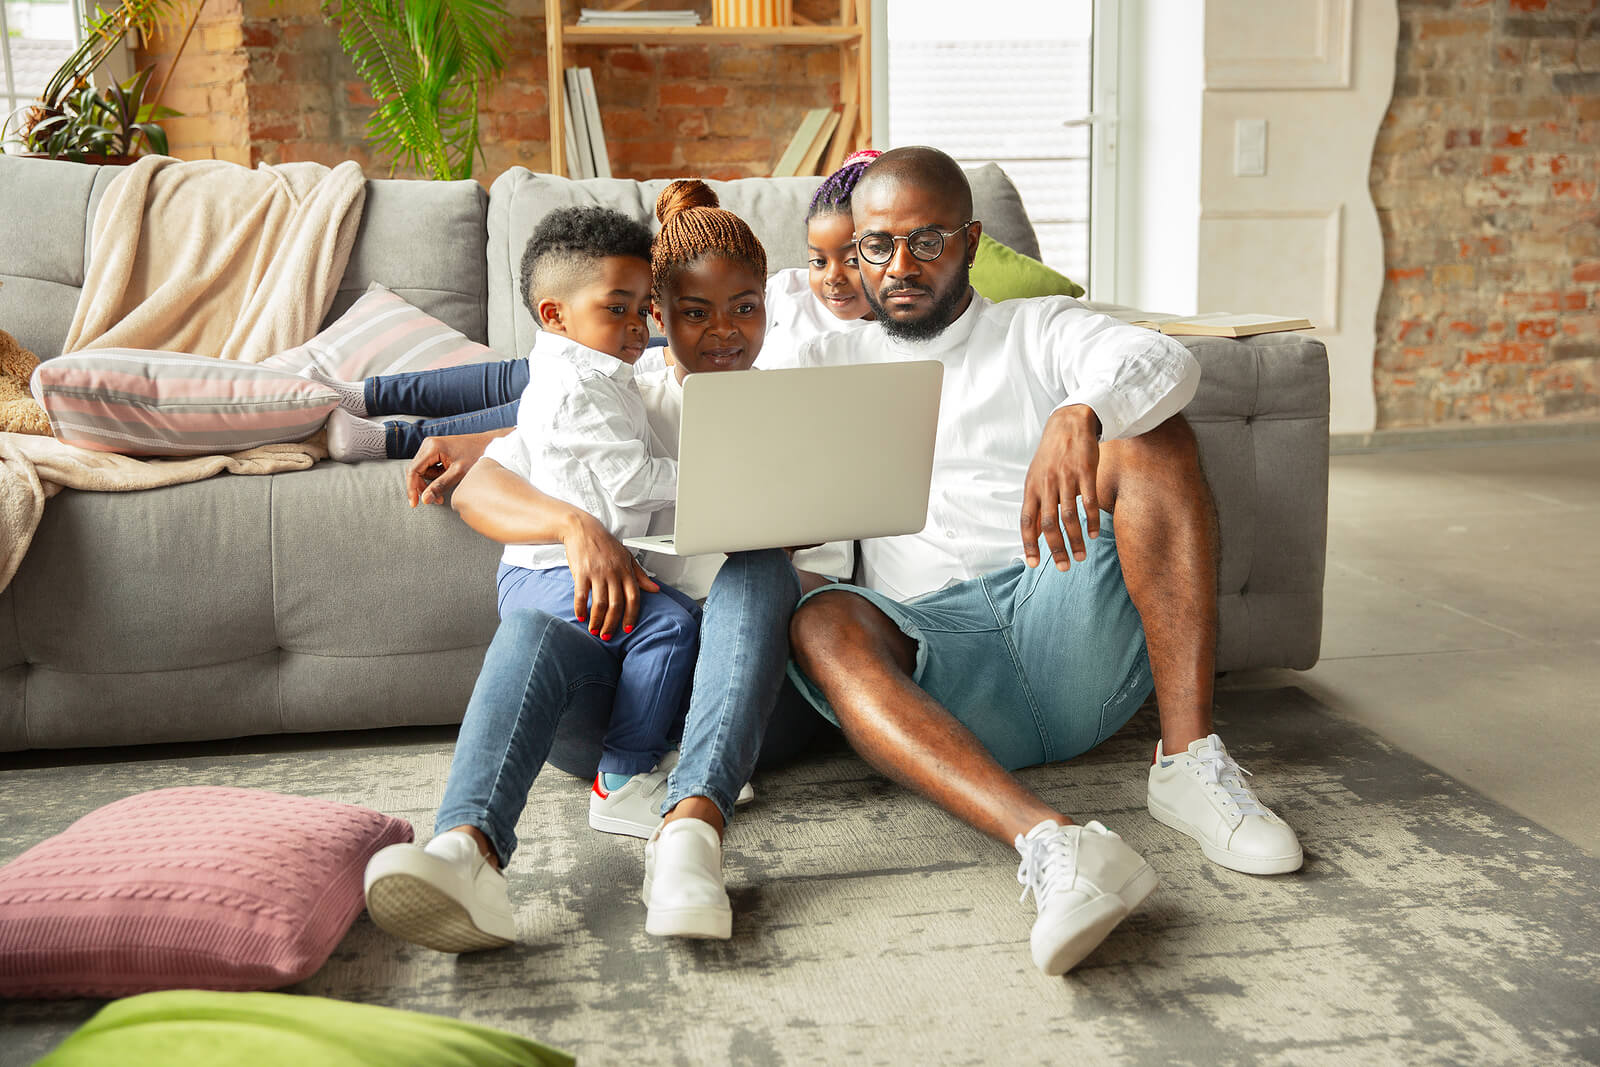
(932, 322)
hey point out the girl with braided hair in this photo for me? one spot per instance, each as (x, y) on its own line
(826, 295)
(544, 693)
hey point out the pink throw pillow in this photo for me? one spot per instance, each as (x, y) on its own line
(383, 334)
(146, 403)
(200, 888)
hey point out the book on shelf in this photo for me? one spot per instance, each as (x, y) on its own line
(1224, 324)
(583, 158)
(591, 120)
(569, 136)
(813, 154)
(800, 144)
(590, 16)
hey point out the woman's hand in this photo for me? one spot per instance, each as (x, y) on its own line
(441, 462)
(1064, 467)
(606, 579)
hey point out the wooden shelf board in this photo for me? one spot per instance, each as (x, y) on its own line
(683, 35)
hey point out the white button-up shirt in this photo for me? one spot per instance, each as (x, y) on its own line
(1007, 368)
(795, 316)
(583, 436)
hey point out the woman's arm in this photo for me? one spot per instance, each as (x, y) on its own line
(606, 579)
(441, 462)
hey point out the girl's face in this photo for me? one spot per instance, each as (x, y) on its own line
(831, 257)
(714, 315)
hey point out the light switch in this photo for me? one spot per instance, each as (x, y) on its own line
(1250, 147)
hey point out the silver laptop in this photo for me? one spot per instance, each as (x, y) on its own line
(781, 458)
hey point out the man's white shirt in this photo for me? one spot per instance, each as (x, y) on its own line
(583, 435)
(1008, 367)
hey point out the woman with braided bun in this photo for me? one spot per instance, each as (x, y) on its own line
(824, 296)
(544, 692)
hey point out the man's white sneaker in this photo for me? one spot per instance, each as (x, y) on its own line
(446, 896)
(1202, 792)
(1084, 881)
(683, 890)
(634, 808)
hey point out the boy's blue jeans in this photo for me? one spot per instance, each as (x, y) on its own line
(546, 690)
(466, 399)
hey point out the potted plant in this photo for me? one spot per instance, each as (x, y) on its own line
(424, 62)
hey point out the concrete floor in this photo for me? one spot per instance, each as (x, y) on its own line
(1462, 618)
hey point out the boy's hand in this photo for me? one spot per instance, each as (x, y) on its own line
(606, 579)
(441, 462)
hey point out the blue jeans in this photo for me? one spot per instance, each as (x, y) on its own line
(545, 694)
(466, 399)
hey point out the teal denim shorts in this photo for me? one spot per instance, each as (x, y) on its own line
(1041, 665)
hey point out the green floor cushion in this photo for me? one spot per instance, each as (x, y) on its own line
(1001, 273)
(189, 1026)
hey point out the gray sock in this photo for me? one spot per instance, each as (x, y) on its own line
(352, 439)
(352, 395)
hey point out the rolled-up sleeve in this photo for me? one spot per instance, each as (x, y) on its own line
(1133, 378)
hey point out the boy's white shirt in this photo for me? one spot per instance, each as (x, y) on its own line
(583, 436)
(795, 316)
(662, 396)
(1007, 368)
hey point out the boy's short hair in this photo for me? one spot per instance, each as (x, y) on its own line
(566, 245)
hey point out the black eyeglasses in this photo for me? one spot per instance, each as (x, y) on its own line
(925, 243)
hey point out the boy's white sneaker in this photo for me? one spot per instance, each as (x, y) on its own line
(445, 896)
(684, 894)
(1203, 793)
(634, 808)
(1085, 881)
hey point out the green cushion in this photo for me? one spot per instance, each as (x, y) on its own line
(187, 1026)
(1001, 273)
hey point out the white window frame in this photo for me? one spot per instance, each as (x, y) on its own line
(12, 97)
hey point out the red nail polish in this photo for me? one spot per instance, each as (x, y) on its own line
(605, 637)
(627, 629)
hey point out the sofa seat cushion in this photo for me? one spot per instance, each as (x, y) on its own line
(203, 887)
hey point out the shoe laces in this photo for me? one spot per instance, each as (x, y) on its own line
(1049, 862)
(1219, 769)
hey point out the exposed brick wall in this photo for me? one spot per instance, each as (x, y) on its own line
(279, 88)
(1485, 176)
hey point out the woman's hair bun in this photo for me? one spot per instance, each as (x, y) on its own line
(683, 194)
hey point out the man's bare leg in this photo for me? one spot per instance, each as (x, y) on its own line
(1166, 530)
(862, 662)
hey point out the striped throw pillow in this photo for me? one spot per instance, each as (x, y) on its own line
(383, 334)
(140, 403)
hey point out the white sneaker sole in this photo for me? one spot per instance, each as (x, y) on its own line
(412, 909)
(1234, 861)
(704, 923)
(1098, 918)
(611, 824)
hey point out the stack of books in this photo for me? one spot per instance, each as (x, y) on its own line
(590, 16)
(585, 138)
(1223, 324)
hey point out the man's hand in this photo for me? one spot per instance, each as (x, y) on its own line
(441, 462)
(1064, 468)
(606, 579)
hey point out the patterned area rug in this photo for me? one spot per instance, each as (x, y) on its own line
(1428, 926)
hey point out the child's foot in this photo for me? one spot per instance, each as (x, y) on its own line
(683, 891)
(631, 806)
(447, 896)
(352, 439)
(352, 395)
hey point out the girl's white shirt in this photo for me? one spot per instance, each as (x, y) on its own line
(795, 316)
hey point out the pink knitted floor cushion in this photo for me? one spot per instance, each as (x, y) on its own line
(206, 888)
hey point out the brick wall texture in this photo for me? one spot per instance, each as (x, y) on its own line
(1485, 174)
(268, 83)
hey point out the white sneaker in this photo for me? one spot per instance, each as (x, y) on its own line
(1085, 881)
(634, 808)
(683, 891)
(1202, 792)
(446, 896)
(352, 439)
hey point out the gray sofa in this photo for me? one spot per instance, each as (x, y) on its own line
(317, 600)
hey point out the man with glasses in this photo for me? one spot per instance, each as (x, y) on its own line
(960, 658)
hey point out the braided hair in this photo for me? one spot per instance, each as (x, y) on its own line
(694, 227)
(833, 195)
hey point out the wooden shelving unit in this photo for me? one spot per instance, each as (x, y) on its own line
(852, 35)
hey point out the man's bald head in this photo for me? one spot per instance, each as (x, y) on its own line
(920, 167)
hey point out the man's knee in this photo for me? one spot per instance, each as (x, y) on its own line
(834, 625)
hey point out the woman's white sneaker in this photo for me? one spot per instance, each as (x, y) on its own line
(1085, 881)
(683, 891)
(1203, 793)
(446, 896)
